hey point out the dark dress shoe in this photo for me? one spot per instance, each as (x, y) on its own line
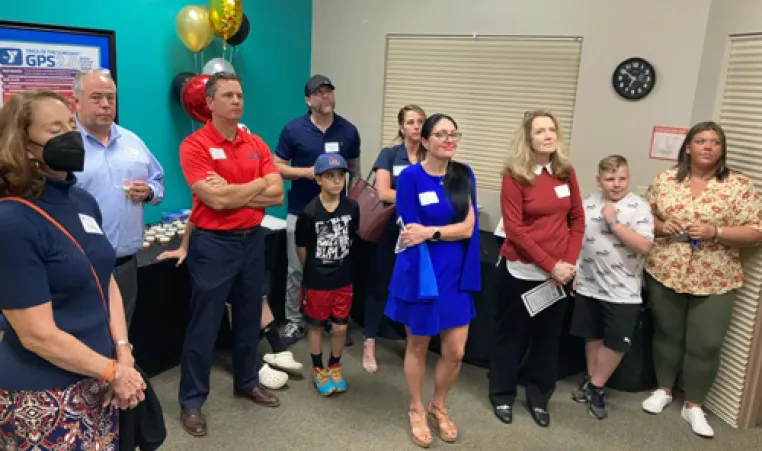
(194, 422)
(504, 413)
(259, 395)
(540, 416)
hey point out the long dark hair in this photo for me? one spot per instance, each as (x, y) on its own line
(457, 179)
(684, 158)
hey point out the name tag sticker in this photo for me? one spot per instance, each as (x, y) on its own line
(331, 147)
(217, 153)
(562, 191)
(428, 198)
(132, 152)
(90, 224)
(397, 169)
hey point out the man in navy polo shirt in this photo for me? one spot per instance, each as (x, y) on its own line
(301, 142)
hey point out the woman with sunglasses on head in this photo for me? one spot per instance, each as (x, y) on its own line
(704, 213)
(544, 223)
(390, 163)
(67, 366)
(436, 270)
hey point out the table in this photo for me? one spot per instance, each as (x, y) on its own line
(480, 334)
(162, 309)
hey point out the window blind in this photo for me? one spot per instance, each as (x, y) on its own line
(486, 83)
(741, 118)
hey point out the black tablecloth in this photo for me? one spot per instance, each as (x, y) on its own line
(161, 314)
(572, 355)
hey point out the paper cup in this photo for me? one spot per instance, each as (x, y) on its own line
(164, 240)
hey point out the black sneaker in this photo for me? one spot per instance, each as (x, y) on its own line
(292, 333)
(580, 393)
(596, 403)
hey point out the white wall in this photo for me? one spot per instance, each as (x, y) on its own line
(726, 17)
(348, 43)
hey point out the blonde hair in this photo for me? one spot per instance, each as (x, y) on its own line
(611, 163)
(20, 175)
(520, 162)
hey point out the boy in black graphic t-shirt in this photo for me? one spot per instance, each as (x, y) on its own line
(324, 233)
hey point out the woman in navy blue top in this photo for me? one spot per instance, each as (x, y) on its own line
(435, 275)
(390, 162)
(66, 363)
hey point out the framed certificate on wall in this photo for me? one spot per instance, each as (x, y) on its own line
(39, 56)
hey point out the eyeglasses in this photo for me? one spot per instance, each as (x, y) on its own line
(444, 136)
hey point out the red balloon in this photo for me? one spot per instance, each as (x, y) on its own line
(194, 99)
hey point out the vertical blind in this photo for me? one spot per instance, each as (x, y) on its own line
(486, 84)
(741, 118)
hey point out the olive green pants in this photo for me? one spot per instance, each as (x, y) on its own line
(688, 335)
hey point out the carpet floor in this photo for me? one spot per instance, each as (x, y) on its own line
(372, 416)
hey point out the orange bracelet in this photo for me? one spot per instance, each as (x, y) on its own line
(109, 373)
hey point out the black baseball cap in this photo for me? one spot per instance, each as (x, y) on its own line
(315, 82)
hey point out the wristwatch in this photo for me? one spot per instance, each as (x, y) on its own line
(149, 198)
(124, 343)
(436, 236)
(612, 223)
(717, 233)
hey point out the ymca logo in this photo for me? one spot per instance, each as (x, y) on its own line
(11, 56)
(253, 156)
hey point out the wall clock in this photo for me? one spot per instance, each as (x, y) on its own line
(634, 78)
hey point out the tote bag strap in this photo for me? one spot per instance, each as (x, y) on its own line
(45, 215)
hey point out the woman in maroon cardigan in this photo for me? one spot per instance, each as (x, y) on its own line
(544, 224)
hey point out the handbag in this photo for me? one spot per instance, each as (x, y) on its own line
(374, 213)
(144, 425)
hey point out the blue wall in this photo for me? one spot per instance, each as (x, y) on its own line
(273, 63)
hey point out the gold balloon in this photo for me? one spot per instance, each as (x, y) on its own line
(225, 17)
(193, 28)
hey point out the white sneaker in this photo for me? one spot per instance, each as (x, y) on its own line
(272, 379)
(697, 419)
(283, 361)
(655, 403)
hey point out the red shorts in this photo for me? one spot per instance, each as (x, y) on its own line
(319, 306)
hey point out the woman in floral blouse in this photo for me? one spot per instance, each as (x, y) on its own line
(703, 214)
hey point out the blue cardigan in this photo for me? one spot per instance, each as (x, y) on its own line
(413, 278)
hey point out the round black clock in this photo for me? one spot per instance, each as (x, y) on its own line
(634, 78)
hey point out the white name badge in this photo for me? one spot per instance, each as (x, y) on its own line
(90, 224)
(397, 169)
(428, 198)
(562, 191)
(331, 147)
(217, 153)
(132, 152)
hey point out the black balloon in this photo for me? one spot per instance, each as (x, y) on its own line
(178, 82)
(242, 33)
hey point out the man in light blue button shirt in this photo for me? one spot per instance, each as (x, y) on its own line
(120, 172)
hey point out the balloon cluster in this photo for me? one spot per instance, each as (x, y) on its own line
(196, 27)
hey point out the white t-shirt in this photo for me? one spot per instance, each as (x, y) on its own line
(606, 269)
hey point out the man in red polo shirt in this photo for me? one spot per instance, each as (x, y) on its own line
(226, 251)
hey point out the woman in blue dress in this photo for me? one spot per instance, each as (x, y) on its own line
(436, 271)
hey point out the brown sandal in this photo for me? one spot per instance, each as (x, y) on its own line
(447, 430)
(419, 429)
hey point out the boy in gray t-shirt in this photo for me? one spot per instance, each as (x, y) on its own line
(619, 231)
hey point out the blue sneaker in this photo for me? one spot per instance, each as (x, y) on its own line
(340, 385)
(323, 381)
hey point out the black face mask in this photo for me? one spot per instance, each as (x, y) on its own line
(65, 152)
